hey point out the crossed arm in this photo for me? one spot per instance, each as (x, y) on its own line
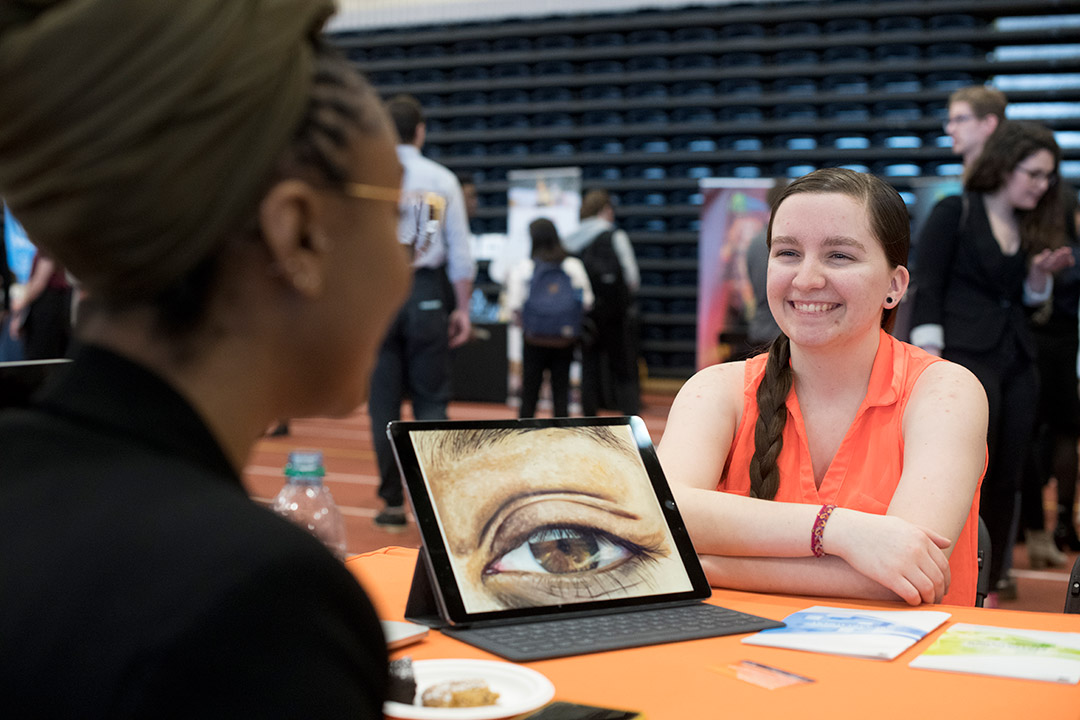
(750, 544)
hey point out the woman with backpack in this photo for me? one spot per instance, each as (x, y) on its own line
(548, 293)
(609, 347)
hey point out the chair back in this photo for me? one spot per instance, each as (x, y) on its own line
(1072, 595)
(982, 586)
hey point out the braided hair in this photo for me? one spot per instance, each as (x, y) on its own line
(890, 224)
(341, 103)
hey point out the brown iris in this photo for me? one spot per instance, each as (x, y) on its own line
(565, 550)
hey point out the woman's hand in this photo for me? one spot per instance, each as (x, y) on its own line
(1046, 264)
(905, 558)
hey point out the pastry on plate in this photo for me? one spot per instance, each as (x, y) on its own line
(459, 693)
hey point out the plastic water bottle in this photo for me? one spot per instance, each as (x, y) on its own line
(308, 503)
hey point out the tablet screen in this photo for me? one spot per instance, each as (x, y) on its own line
(547, 514)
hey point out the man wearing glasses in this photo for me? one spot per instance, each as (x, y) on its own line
(974, 114)
(414, 360)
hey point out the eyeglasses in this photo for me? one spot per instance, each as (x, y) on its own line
(956, 120)
(435, 202)
(360, 191)
(1039, 175)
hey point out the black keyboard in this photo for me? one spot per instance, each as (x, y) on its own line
(544, 639)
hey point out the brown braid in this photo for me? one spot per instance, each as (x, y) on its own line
(772, 416)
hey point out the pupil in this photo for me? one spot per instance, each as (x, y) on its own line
(566, 554)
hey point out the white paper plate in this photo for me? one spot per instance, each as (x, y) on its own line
(520, 690)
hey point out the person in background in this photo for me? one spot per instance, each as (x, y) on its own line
(7, 278)
(762, 328)
(10, 348)
(847, 462)
(975, 112)
(414, 360)
(481, 307)
(1057, 425)
(610, 345)
(41, 314)
(985, 257)
(226, 191)
(472, 200)
(539, 355)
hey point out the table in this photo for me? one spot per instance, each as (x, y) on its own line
(675, 682)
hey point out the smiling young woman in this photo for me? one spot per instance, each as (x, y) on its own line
(833, 465)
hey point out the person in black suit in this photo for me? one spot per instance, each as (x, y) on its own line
(984, 258)
(1057, 427)
(225, 187)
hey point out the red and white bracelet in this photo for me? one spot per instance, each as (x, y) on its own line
(816, 544)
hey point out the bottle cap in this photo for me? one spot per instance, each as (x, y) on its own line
(306, 463)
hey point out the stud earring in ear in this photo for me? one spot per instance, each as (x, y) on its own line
(303, 282)
(888, 300)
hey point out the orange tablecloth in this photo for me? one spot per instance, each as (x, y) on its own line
(675, 682)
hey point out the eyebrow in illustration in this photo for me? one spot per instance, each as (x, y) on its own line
(452, 445)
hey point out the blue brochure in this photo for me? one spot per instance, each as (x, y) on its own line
(880, 634)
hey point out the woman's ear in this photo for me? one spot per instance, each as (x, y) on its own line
(898, 285)
(288, 227)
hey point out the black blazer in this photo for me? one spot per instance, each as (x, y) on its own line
(137, 579)
(965, 284)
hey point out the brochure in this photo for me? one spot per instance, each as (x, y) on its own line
(1005, 652)
(879, 634)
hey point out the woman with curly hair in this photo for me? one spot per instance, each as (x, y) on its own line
(986, 260)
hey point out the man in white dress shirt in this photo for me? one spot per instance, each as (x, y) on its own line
(414, 360)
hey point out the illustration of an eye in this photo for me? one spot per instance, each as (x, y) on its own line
(559, 550)
(569, 563)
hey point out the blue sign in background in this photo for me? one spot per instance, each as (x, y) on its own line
(20, 252)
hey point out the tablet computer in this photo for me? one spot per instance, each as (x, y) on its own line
(526, 521)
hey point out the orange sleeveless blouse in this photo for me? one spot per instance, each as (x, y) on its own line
(866, 469)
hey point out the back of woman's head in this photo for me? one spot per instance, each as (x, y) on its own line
(135, 161)
(1010, 144)
(890, 225)
(546, 246)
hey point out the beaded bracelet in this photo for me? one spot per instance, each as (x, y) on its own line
(819, 530)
